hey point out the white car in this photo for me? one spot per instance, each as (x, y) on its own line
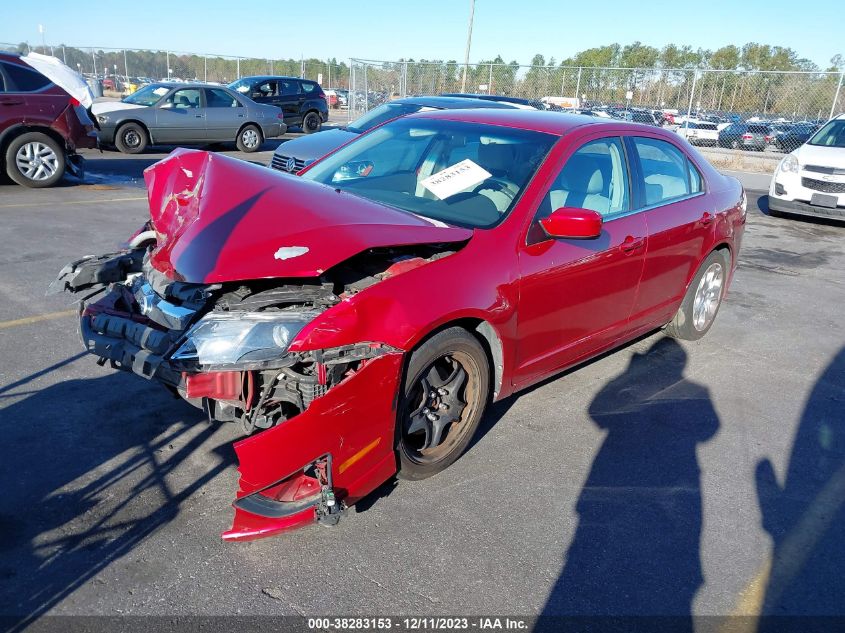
(699, 132)
(811, 179)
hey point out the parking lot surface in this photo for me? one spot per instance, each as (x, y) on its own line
(694, 478)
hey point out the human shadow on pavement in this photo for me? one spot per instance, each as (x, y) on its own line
(806, 515)
(90, 468)
(635, 552)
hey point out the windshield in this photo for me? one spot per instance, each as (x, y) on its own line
(241, 85)
(148, 95)
(831, 135)
(381, 114)
(468, 174)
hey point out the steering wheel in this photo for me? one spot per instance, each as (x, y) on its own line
(496, 184)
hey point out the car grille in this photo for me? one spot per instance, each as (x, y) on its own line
(287, 163)
(821, 185)
(821, 169)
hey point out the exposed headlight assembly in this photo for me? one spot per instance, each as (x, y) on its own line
(789, 164)
(241, 340)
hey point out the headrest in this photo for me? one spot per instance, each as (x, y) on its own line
(583, 174)
(496, 157)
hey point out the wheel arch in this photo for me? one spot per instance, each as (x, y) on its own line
(143, 125)
(486, 334)
(14, 132)
(253, 124)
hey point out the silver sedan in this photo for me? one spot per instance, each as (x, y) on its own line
(186, 114)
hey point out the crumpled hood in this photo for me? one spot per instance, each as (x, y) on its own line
(219, 219)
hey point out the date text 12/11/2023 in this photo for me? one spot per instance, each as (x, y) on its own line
(417, 623)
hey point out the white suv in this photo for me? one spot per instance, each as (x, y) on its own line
(811, 179)
(699, 132)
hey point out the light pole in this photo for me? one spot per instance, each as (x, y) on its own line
(42, 30)
(469, 42)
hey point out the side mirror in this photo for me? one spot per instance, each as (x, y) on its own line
(573, 223)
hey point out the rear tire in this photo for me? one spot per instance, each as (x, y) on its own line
(249, 139)
(131, 138)
(444, 395)
(703, 298)
(311, 122)
(35, 160)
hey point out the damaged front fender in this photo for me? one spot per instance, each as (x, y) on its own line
(350, 430)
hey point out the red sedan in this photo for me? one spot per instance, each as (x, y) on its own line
(357, 320)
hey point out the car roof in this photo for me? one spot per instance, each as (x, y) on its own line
(452, 102)
(558, 123)
(263, 77)
(186, 84)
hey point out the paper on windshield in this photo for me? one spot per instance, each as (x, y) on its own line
(460, 176)
(68, 80)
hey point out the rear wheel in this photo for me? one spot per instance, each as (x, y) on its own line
(443, 399)
(249, 139)
(311, 122)
(131, 138)
(35, 160)
(704, 296)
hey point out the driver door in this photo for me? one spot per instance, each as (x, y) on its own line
(180, 117)
(576, 295)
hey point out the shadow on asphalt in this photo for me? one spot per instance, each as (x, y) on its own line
(636, 548)
(805, 516)
(87, 467)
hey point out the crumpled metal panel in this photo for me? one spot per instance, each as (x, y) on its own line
(220, 219)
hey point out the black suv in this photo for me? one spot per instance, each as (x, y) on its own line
(302, 101)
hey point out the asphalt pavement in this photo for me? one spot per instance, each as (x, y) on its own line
(695, 478)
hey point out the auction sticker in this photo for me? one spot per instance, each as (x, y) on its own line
(458, 177)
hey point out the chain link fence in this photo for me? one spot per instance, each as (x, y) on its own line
(122, 66)
(673, 95)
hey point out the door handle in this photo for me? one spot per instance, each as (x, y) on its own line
(198, 116)
(631, 244)
(706, 219)
(11, 102)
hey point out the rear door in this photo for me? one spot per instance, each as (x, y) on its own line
(670, 193)
(224, 115)
(181, 117)
(28, 95)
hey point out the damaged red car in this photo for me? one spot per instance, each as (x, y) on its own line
(357, 320)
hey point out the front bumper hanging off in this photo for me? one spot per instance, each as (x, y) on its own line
(353, 424)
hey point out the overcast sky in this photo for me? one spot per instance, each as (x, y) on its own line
(430, 29)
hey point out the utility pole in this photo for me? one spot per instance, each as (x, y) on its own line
(469, 42)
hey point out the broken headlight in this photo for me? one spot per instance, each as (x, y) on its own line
(241, 340)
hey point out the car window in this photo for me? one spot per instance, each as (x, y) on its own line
(265, 89)
(308, 87)
(664, 168)
(183, 99)
(23, 79)
(694, 177)
(288, 88)
(595, 177)
(758, 129)
(217, 98)
(2, 83)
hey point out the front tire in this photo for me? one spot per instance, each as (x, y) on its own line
(35, 160)
(311, 122)
(444, 395)
(249, 139)
(704, 296)
(131, 138)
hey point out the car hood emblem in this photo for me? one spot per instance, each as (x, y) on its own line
(290, 164)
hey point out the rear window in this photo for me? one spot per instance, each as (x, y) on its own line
(758, 129)
(706, 126)
(23, 79)
(311, 88)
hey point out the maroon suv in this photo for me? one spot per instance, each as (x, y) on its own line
(41, 126)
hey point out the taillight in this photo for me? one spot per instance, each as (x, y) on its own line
(747, 136)
(280, 115)
(74, 102)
